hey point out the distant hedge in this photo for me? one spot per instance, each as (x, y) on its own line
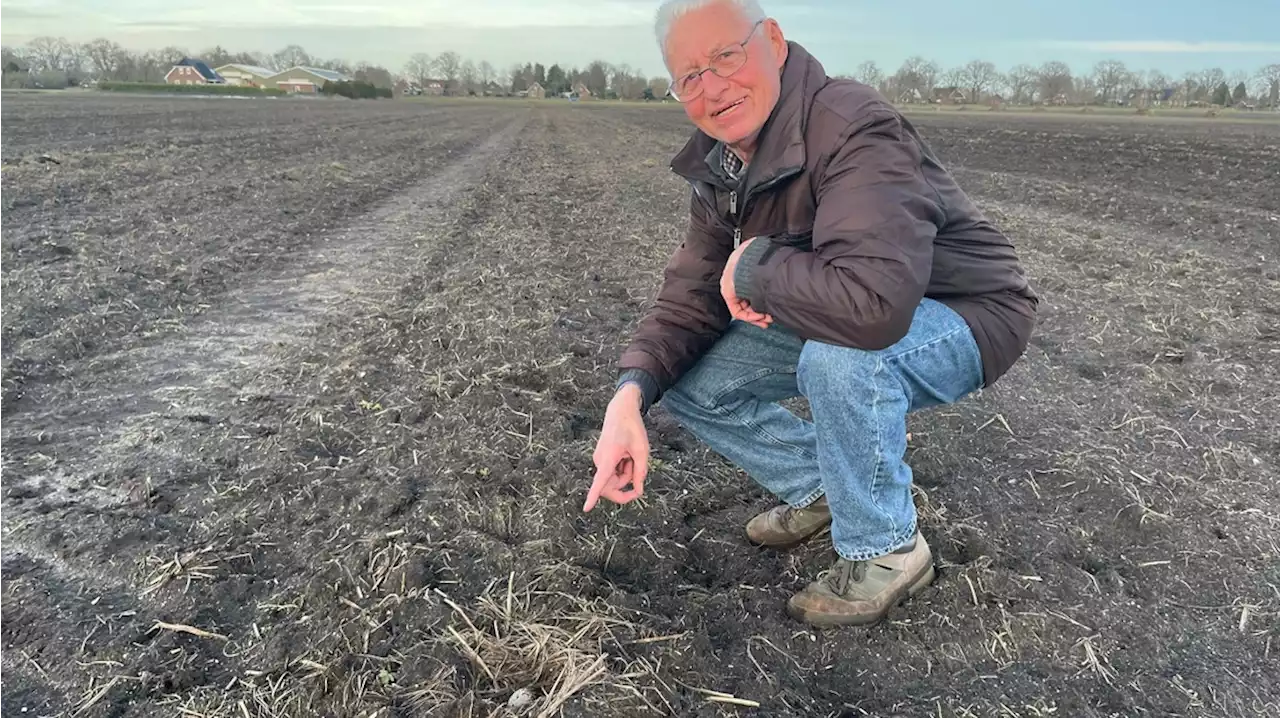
(356, 90)
(189, 89)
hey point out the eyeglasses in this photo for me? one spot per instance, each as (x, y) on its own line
(726, 62)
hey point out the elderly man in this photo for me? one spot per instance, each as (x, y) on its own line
(831, 256)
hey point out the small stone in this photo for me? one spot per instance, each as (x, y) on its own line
(521, 698)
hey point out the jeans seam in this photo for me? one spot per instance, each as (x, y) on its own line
(926, 345)
(879, 465)
(742, 381)
(761, 433)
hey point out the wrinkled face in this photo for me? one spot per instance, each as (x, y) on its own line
(731, 109)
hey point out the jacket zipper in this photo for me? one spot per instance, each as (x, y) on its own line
(733, 202)
(733, 211)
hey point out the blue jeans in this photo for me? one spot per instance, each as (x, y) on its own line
(853, 449)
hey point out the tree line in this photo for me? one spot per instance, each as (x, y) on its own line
(1107, 82)
(55, 62)
(463, 76)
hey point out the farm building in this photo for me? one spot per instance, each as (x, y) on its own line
(948, 96)
(245, 75)
(909, 96)
(536, 91)
(306, 80)
(580, 89)
(189, 71)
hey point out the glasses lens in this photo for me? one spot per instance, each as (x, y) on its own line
(730, 61)
(687, 87)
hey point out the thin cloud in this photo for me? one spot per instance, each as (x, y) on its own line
(400, 13)
(1169, 46)
(25, 13)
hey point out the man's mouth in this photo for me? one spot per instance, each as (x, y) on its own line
(729, 109)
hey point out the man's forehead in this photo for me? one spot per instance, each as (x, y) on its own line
(698, 34)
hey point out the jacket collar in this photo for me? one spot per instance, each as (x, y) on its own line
(781, 145)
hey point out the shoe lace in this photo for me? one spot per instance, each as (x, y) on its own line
(842, 574)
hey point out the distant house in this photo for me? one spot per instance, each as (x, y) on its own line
(948, 96)
(305, 80)
(434, 87)
(581, 90)
(189, 71)
(535, 91)
(245, 75)
(909, 96)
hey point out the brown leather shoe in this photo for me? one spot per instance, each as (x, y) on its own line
(784, 526)
(856, 593)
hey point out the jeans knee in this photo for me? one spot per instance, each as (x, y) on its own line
(824, 366)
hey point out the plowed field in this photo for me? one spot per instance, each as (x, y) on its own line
(299, 400)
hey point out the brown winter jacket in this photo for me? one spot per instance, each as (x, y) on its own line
(856, 221)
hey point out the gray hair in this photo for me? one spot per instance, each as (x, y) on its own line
(671, 10)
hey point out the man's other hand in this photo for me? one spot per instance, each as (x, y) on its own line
(622, 451)
(740, 309)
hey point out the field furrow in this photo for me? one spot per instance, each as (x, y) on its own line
(343, 475)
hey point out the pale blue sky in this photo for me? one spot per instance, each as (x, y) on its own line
(1175, 36)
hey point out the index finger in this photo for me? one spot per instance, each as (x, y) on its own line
(603, 474)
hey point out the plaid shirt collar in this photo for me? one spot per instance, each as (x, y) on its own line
(726, 165)
(731, 163)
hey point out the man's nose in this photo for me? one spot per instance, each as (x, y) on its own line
(713, 85)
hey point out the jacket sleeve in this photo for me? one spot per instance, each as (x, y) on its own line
(689, 314)
(873, 234)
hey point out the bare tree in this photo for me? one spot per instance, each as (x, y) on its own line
(103, 56)
(1084, 91)
(125, 65)
(48, 53)
(597, 79)
(1237, 77)
(953, 77)
(517, 80)
(659, 86)
(1157, 81)
(1267, 84)
(290, 56)
(1109, 75)
(375, 75)
(469, 75)
(216, 56)
(1021, 82)
(1208, 81)
(916, 74)
(1054, 81)
(869, 73)
(449, 64)
(338, 65)
(978, 77)
(419, 68)
(486, 73)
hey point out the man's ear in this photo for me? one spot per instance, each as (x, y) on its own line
(777, 40)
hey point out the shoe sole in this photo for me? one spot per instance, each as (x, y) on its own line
(826, 620)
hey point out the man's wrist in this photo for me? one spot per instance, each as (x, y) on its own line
(630, 392)
(644, 385)
(744, 273)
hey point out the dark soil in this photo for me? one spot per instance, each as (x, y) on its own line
(300, 400)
